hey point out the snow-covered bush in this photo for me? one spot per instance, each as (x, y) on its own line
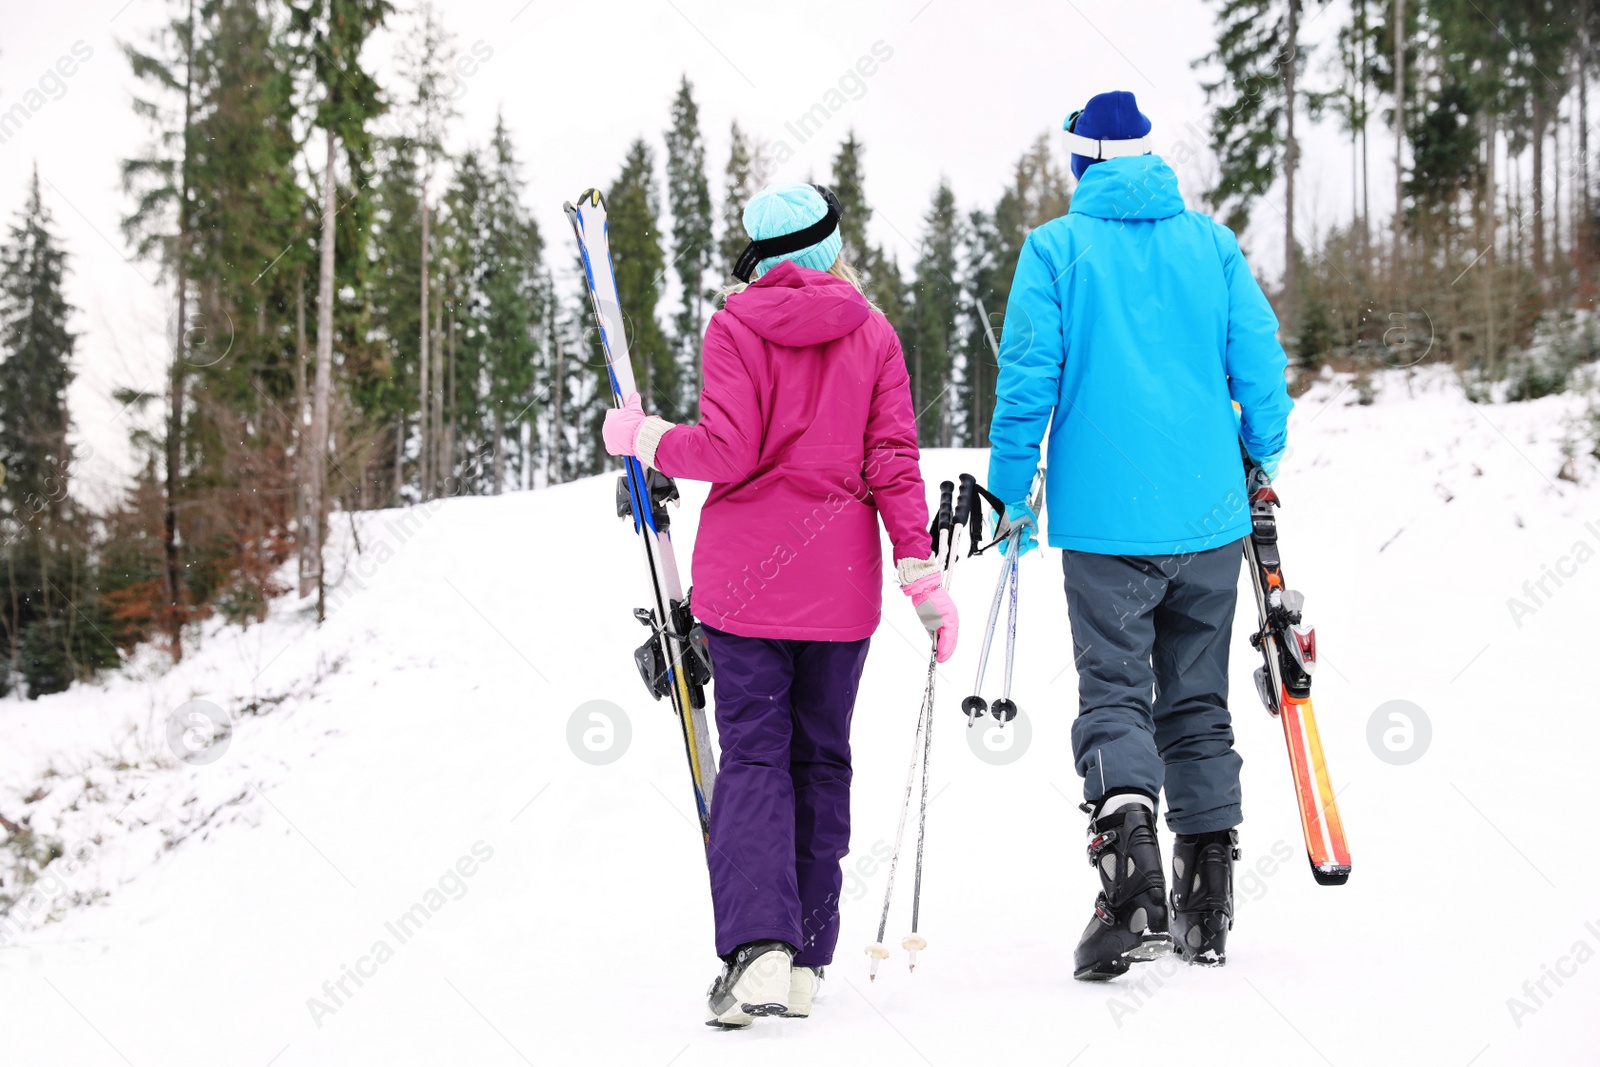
(1563, 342)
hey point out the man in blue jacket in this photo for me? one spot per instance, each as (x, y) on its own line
(1132, 325)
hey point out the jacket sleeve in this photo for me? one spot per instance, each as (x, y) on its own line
(1032, 353)
(890, 467)
(725, 444)
(1255, 360)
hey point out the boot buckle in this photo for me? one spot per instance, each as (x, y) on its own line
(1099, 843)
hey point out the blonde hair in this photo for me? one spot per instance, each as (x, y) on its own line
(840, 269)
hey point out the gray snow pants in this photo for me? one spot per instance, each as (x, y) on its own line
(1150, 638)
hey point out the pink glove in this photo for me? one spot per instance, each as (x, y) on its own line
(937, 611)
(622, 426)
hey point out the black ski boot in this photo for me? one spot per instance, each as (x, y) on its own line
(1130, 914)
(1202, 895)
(754, 981)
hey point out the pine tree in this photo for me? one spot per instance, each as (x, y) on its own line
(49, 617)
(984, 308)
(880, 273)
(749, 165)
(159, 228)
(849, 178)
(633, 207)
(506, 308)
(689, 201)
(931, 338)
(427, 63)
(334, 33)
(38, 345)
(1255, 105)
(386, 394)
(1038, 193)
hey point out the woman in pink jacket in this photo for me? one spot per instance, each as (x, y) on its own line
(808, 437)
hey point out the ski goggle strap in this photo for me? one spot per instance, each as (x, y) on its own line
(1079, 145)
(756, 251)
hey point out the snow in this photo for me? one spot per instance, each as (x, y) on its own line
(413, 752)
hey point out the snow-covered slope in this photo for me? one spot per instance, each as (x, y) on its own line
(399, 832)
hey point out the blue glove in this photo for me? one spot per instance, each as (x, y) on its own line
(1020, 515)
(1269, 465)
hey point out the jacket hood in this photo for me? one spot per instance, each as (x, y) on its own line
(795, 306)
(1132, 187)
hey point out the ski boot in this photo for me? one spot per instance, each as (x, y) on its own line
(1130, 914)
(1202, 895)
(804, 984)
(754, 981)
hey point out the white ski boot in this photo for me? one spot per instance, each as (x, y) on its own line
(804, 983)
(755, 981)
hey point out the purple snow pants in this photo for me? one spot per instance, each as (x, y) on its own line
(780, 815)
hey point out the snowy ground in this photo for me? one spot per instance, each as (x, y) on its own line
(414, 751)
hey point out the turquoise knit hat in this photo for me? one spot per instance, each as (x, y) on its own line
(781, 209)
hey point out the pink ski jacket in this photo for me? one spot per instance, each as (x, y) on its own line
(807, 435)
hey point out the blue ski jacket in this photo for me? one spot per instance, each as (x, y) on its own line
(1131, 325)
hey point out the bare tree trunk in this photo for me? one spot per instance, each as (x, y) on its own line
(425, 398)
(447, 421)
(559, 442)
(1291, 157)
(436, 460)
(1555, 198)
(316, 452)
(175, 381)
(1399, 145)
(1514, 244)
(1489, 250)
(1541, 119)
(1585, 236)
(302, 503)
(1366, 201)
(499, 450)
(399, 459)
(13, 635)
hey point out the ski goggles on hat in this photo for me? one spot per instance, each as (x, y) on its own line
(1093, 148)
(756, 251)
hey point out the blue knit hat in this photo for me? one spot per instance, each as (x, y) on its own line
(783, 209)
(1107, 118)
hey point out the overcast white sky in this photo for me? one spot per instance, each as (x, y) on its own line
(965, 88)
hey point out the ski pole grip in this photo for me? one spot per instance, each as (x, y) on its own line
(969, 512)
(966, 498)
(946, 519)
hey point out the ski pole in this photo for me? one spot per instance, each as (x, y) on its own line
(1005, 709)
(943, 540)
(876, 950)
(968, 516)
(975, 705)
(914, 942)
(945, 525)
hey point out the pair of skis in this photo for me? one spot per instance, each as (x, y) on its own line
(1289, 651)
(958, 521)
(673, 660)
